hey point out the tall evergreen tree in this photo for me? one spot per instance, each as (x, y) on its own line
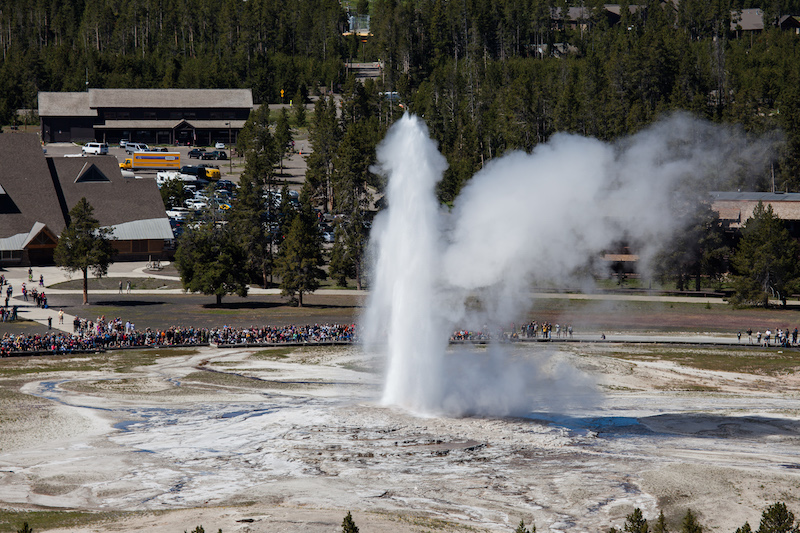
(636, 522)
(300, 257)
(84, 245)
(661, 524)
(249, 222)
(766, 259)
(283, 136)
(690, 523)
(323, 134)
(777, 519)
(348, 525)
(209, 260)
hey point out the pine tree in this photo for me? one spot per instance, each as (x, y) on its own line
(84, 245)
(766, 259)
(690, 523)
(209, 260)
(249, 223)
(636, 522)
(777, 519)
(745, 528)
(283, 136)
(340, 266)
(299, 104)
(348, 526)
(25, 528)
(522, 529)
(300, 257)
(323, 134)
(661, 524)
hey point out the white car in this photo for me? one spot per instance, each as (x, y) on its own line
(178, 213)
(195, 204)
(219, 146)
(95, 149)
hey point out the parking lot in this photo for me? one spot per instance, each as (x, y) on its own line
(230, 169)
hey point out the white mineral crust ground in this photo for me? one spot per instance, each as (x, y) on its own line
(292, 444)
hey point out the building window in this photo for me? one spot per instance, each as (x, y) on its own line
(10, 255)
(150, 114)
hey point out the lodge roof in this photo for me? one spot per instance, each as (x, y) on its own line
(751, 19)
(29, 195)
(116, 200)
(737, 207)
(169, 98)
(85, 104)
(38, 192)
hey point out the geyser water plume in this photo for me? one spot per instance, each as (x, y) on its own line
(408, 244)
(523, 218)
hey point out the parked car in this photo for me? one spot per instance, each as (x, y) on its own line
(195, 203)
(196, 153)
(219, 154)
(211, 171)
(219, 146)
(95, 149)
(207, 155)
(136, 147)
(226, 185)
(123, 142)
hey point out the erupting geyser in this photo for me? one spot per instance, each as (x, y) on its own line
(523, 218)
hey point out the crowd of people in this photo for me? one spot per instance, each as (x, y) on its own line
(532, 330)
(781, 337)
(103, 334)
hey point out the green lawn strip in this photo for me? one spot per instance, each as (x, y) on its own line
(47, 364)
(42, 520)
(238, 380)
(273, 353)
(108, 284)
(128, 360)
(742, 360)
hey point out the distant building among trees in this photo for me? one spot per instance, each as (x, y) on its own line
(159, 116)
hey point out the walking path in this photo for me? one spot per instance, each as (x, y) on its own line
(132, 270)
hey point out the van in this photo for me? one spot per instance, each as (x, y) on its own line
(95, 149)
(136, 147)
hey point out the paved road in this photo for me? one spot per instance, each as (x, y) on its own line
(129, 270)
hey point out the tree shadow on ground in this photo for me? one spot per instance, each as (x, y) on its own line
(244, 305)
(273, 305)
(127, 303)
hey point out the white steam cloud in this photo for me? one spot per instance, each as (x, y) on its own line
(523, 218)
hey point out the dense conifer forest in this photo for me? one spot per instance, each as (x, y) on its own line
(488, 76)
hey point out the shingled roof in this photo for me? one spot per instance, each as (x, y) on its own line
(37, 192)
(169, 98)
(28, 192)
(736, 207)
(116, 200)
(65, 105)
(751, 19)
(85, 104)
